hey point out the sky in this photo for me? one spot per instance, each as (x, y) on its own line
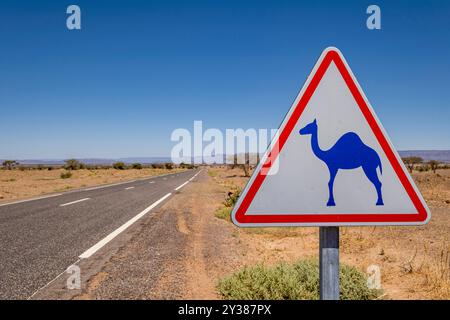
(137, 70)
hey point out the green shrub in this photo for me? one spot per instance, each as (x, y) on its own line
(223, 213)
(297, 281)
(66, 175)
(119, 165)
(136, 166)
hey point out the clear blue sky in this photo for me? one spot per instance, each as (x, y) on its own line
(139, 69)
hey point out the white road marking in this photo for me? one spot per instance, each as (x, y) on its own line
(89, 252)
(124, 182)
(129, 188)
(69, 203)
(108, 185)
(32, 199)
(179, 187)
(195, 175)
(152, 182)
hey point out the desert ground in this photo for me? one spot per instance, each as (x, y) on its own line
(184, 248)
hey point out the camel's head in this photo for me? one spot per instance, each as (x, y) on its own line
(309, 128)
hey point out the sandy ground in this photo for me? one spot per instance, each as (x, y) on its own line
(16, 184)
(181, 250)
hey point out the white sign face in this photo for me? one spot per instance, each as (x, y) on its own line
(332, 162)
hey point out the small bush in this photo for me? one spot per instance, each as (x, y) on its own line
(298, 281)
(66, 175)
(223, 213)
(9, 164)
(230, 201)
(186, 165)
(119, 166)
(73, 164)
(169, 166)
(232, 198)
(136, 166)
(212, 173)
(158, 166)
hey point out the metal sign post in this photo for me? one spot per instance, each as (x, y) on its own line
(329, 263)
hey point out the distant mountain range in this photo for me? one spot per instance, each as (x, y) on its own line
(96, 161)
(426, 155)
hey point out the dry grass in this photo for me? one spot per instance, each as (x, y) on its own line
(437, 274)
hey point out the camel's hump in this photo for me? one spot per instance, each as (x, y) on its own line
(350, 138)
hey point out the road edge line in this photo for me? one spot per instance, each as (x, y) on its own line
(92, 250)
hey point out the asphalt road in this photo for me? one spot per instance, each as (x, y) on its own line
(39, 239)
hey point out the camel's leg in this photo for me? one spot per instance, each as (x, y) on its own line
(372, 175)
(333, 173)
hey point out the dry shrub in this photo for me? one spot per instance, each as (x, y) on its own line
(437, 274)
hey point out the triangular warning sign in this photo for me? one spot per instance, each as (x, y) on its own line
(331, 162)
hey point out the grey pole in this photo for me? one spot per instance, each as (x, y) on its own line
(329, 263)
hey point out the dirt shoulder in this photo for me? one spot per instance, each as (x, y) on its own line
(16, 184)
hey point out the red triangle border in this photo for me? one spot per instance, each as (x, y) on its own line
(422, 215)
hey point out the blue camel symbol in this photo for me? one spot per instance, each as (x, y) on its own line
(349, 152)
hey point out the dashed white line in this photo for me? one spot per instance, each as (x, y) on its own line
(152, 182)
(129, 188)
(73, 202)
(108, 185)
(179, 187)
(89, 252)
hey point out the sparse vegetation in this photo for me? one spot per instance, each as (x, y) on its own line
(433, 165)
(9, 164)
(297, 281)
(230, 201)
(119, 165)
(223, 213)
(73, 164)
(169, 166)
(186, 165)
(66, 175)
(410, 162)
(437, 273)
(212, 173)
(136, 166)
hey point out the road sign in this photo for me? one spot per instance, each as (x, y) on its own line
(331, 162)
